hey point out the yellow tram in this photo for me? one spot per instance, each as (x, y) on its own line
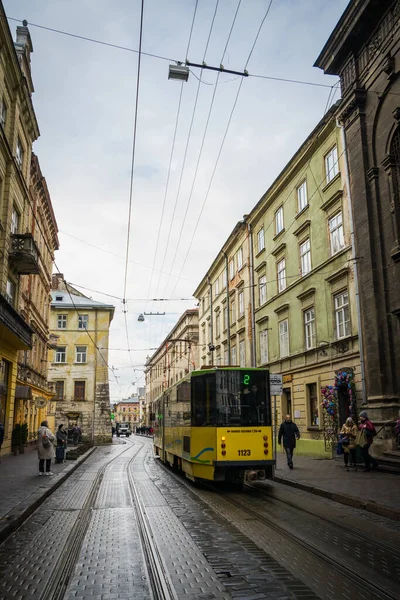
(216, 424)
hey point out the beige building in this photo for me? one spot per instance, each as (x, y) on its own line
(79, 361)
(298, 315)
(176, 357)
(128, 411)
(34, 395)
(225, 304)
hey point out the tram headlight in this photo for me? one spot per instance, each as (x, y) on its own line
(223, 445)
(223, 438)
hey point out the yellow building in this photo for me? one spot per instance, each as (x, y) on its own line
(174, 359)
(19, 253)
(299, 314)
(79, 361)
(128, 411)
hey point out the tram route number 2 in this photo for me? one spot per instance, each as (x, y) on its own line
(244, 452)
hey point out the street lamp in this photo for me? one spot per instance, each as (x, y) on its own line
(178, 72)
(153, 314)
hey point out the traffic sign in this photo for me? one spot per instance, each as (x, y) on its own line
(275, 384)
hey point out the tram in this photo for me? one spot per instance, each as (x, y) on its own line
(216, 424)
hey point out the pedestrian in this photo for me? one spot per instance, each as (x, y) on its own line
(348, 435)
(369, 430)
(45, 448)
(61, 436)
(289, 433)
(76, 433)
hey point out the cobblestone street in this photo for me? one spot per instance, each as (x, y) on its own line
(123, 526)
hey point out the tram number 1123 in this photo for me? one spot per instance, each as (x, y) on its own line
(244, 452)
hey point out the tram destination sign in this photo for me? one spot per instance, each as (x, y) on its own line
(275, 384)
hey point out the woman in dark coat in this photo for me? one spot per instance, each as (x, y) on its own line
(61, 436)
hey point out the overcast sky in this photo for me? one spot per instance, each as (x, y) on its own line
(84, 100)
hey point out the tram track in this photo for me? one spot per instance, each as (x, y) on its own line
(384, 590)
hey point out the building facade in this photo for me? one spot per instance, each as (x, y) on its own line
(128, 411)
(174, 359)
(79, 361)
(34, 395)
(225, 304)
(364, 50)
(297, 315)
(19, 253)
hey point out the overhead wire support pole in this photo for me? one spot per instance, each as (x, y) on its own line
(220, 69)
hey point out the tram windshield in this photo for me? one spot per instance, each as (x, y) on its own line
(231, 398)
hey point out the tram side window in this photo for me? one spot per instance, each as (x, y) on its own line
(203, 400)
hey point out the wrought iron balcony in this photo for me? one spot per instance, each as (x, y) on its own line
(24, 255)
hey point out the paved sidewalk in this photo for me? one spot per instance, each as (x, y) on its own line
(375, 491)
(22, 490)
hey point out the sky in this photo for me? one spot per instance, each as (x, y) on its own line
(84, 100)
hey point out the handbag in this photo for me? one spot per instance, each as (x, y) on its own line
(344, 440)
(46, 442)
(361, 438)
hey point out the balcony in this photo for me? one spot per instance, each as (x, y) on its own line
(24, 255)
(12, 326)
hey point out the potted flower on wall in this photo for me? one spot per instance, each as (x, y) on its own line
(24, 438)
(16, 439)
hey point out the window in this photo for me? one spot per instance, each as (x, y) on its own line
(241, 304)
(217, 324)
(14, 221)
(279, 220)
(281, 270)
(262, 289)
(284, 338)
(313, 404)
(342, 315)
(3, 113)
(59, 298)
(225, 318)
(260, 240)
(240, 259)
(225, 278)
(264, 346)
(242, 354)
(81, 354)
(216, 287)
(309, 328)
(231, 269)
(233, 311)
(10, 292)
(79, 391)
(59, 390)
(83, 321)
(336, 233)
(19, 153)
(61, 321)
(233, 356)
(302, 196)
(61, 354)
(305, 257)
(226, 357)
(331, 164)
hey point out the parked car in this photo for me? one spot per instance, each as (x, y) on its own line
(124, 429)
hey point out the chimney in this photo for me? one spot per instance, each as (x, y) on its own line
(56, 280)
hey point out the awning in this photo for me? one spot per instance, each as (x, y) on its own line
(23, 392)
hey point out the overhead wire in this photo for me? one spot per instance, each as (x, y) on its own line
(221, 146)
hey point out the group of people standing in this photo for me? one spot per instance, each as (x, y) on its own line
(350, 437)
(52, 446)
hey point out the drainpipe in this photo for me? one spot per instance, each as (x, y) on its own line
(211, 344)
(95, 375)
(354, 257)
(253, 316)
(228, 320)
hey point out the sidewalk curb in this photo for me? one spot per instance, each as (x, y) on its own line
(19, 514)
(374, 507)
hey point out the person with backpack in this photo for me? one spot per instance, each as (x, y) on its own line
(45, 448)
(370, 432)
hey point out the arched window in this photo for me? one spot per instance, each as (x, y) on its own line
(395, 152)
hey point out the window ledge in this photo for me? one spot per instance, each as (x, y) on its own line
(260, 252)
(240, 318)
(331, 182)
(302, 211)
(277, 235)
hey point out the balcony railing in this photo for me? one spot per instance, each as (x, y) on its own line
(24, 255)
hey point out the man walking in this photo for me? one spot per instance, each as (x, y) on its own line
(290, 433)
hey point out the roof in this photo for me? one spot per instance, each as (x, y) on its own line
(67, 300)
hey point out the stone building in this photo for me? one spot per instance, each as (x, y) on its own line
(128, 411)
(19, 253)
(290, 301)
(34, 394)
(79, 361)
(174, 359)
(364, 50)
